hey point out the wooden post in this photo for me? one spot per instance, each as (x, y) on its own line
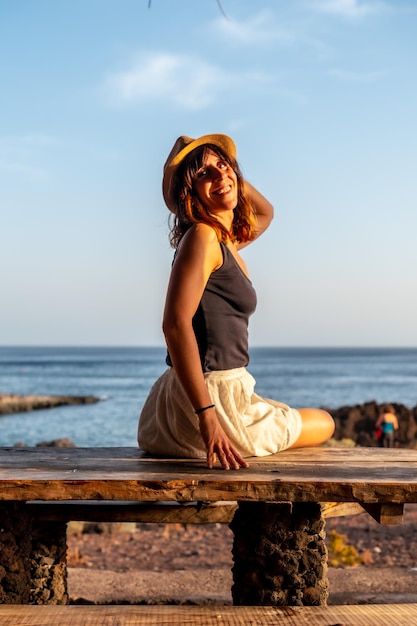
(32, 558)
(280, 555)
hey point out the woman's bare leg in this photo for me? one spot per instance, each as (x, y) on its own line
(318, 427)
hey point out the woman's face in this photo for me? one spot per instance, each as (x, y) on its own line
(216, 184)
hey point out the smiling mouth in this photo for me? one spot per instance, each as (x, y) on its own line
(222, 191)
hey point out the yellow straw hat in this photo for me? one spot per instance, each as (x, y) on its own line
(182, 147)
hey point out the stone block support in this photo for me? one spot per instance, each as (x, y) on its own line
(33, 558)
(280, 555)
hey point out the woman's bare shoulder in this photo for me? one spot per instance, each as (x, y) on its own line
(200, 243)
(203, 232)
(202, 237)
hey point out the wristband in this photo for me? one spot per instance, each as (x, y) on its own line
(204, 408)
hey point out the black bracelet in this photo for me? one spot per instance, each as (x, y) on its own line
(204, 408)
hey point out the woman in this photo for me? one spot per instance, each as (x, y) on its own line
(204, 405)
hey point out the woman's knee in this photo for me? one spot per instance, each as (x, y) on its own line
(317, 427)
(328, 424)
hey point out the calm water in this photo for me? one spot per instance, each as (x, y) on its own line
(121, 377)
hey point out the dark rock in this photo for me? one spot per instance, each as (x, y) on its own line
(279, 554)
(358, 423)
(57, 443)
(13, 403)
(33, 553)
(65, 442)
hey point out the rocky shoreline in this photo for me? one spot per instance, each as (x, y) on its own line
(357, 423)
(14, 403)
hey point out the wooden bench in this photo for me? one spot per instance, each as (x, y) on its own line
(361, 615)
(276, 508)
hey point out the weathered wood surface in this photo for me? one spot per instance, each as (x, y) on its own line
(361, 615)
(161, 512)
(369, 475)
(341, 509)
(191, 513)
(386, 513)
(144, 512)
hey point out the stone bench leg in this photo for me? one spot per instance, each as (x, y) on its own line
(32, 558)
(280, 555)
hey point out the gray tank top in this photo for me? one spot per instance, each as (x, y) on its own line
(221, 320)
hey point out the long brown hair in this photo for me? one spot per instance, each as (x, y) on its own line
(191, 211)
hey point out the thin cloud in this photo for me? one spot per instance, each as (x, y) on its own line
(186, 81)
(356, 77)
(36, 139)
(258, 30)
(21, 155)
(350, 8)
(28, 141)
(27, 172)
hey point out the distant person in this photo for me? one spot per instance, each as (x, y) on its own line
(388, 423)
(204, 405)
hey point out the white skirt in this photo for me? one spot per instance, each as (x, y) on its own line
(255, 426)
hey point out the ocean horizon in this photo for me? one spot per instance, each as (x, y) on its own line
(121, 377)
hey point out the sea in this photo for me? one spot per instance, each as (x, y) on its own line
(122, 377)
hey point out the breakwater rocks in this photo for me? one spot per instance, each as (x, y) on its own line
(64, 442)
(14, 403)
(358, 424)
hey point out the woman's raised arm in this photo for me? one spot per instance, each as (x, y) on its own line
(263, 210)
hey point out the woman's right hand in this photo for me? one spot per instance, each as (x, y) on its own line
(218, 444)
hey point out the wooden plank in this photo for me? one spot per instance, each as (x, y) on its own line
(341, 509)
(169, 615)
(192, 513)
(371, 475)
(343, 455)
(386, 512)
(162, 512)
(298, 455)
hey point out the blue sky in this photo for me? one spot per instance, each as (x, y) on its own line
(321, 99)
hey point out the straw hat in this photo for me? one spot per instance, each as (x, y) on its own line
(182, 147)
